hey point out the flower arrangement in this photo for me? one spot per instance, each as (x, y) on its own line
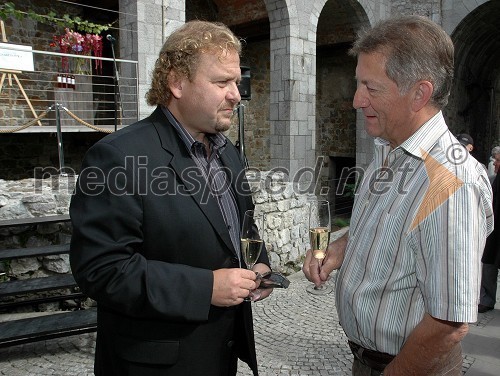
(73, 42)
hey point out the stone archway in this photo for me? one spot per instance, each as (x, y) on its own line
(335, 117)
(474, 105)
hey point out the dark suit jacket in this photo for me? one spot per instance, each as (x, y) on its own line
(146, 237)
(491, 253)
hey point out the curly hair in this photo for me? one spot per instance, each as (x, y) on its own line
(181, 54)
(416, 49)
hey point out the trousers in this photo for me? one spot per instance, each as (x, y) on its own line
(488, 295)
(450, 366)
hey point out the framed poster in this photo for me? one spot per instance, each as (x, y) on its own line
(16, 57)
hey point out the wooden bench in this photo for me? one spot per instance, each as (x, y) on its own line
(35, 291)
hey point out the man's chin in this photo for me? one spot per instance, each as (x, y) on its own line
(223, 127)
(372, 130)
(372, 133)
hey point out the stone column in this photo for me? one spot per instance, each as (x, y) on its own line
(293, 84)
(144, 25)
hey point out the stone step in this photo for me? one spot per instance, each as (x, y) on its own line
(15, 332)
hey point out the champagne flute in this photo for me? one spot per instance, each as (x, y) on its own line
(319, 235)
(251, 239)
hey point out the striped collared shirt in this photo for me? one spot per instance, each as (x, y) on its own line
(215, 175)
(418, 228)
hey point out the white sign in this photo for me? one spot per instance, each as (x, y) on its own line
(16, 57)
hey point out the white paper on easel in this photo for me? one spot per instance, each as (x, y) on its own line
(16, 57)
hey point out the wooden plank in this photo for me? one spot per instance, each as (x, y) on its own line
(34, 220)
(27, 99)
(33, 285)
(35, 302)
(15, 253)
(40, 328)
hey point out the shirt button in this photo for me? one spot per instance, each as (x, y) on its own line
(234, 260)
(229, 227)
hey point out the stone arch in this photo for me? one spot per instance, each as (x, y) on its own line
(374, 10)
(335, 127)
(249, 20)
(474, 105)
(454, 12)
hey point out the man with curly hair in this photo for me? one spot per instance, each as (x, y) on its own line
(156, 218)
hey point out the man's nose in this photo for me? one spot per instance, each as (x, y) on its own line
(360, 100)
(233, 93)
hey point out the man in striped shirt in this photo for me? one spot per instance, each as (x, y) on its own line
(409, 268)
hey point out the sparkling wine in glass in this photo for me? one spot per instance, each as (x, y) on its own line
(251, 238)
(319, 236)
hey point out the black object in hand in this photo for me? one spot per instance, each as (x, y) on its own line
(270, 280)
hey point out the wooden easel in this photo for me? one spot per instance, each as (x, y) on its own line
(9, 74)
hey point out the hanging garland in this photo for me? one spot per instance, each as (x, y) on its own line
(76, 23)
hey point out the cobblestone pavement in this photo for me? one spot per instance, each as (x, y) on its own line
(296, 334)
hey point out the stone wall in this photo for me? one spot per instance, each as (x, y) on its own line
(256, 55)
(21, 153)
(35, 198)
(335, 115)
(286, 210)
(40, 86)
(256, 118)
(13, 108)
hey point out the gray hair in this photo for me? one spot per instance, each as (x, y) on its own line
(416, 49)
(495, 151)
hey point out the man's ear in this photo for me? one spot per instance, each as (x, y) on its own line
(422, 95)
(175, 84)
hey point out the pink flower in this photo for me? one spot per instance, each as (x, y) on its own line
(73, 42)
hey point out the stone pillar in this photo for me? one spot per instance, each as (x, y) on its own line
(293, 83)
(142, 36)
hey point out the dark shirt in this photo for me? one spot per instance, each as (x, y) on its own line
(214, 173)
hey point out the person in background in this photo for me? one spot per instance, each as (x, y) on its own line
(492, 164)
(409, 277)
(491, 255)
(156, 219)
(466, 140)
(468, 143)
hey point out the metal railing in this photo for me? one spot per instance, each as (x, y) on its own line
(77, 100)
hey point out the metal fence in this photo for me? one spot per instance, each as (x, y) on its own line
(68, 93)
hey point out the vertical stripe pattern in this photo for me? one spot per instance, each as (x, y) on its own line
(406, 255)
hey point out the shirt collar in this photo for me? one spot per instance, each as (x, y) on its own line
(426, 136)
(422, 140)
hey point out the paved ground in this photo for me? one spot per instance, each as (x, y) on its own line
(296, 333)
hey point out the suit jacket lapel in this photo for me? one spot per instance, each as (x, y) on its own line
(194, 182)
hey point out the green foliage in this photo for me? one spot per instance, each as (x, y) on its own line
(341, 222)
(350, 190)
(4, 268)
(74, 23)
